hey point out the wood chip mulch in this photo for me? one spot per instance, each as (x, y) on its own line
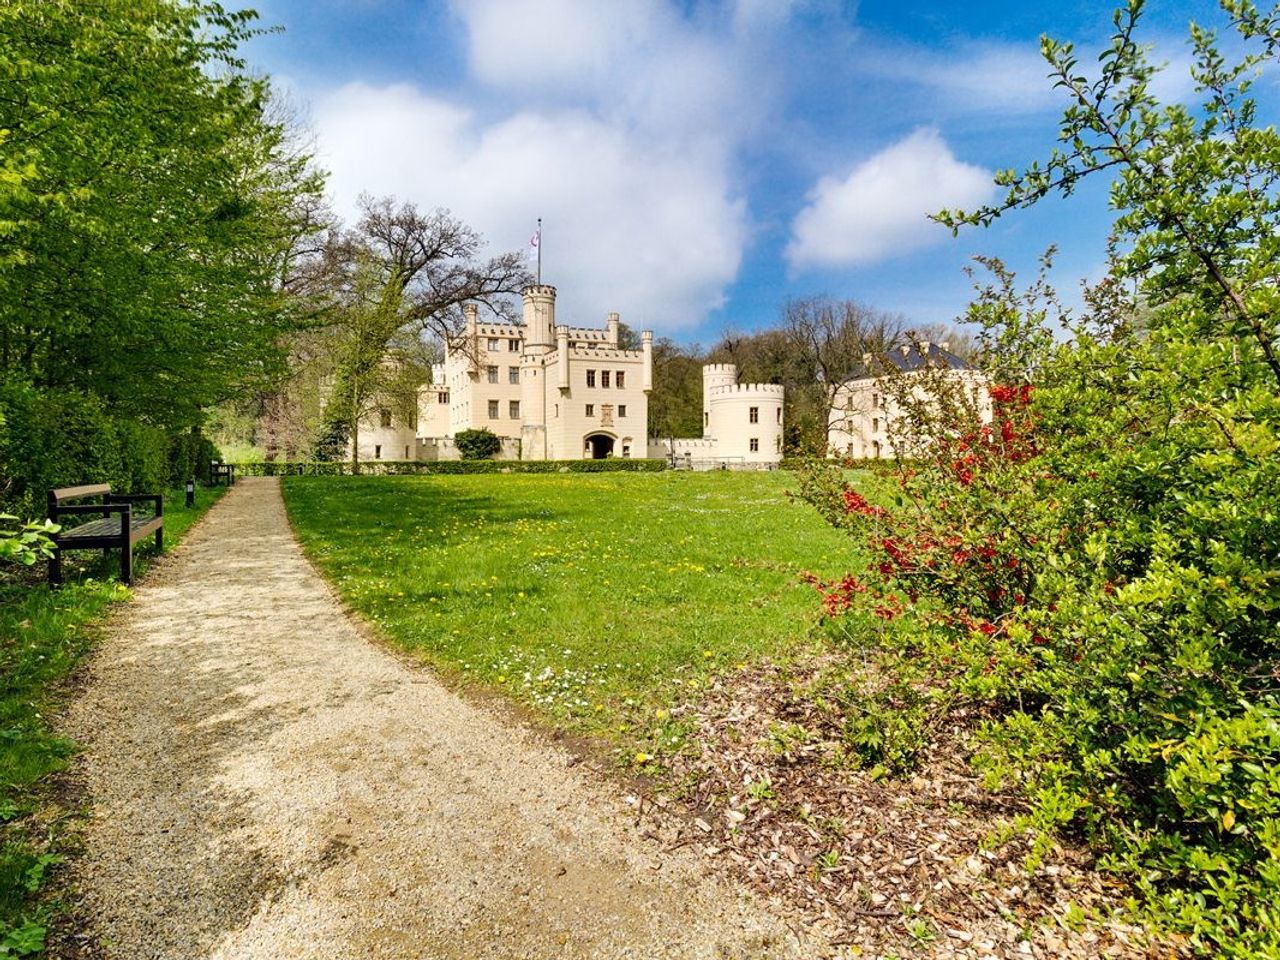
(879, 867)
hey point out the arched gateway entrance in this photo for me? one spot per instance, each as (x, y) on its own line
(599, 445)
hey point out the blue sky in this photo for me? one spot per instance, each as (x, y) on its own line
(698, 162)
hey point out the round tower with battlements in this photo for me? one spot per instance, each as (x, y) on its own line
(539, 317)
(714, 375)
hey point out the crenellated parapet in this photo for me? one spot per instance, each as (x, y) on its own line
(771, 391)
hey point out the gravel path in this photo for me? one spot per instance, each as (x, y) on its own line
(266, 783)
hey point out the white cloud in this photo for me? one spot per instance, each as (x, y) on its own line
(880, 209)
(632, 222)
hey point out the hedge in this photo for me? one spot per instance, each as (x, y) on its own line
(387, 468)
(60, 438)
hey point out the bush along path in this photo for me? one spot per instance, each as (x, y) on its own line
(265, 783)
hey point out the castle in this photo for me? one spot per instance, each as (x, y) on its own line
(555, 392)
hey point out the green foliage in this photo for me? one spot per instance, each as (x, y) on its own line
(393, 468)
(482, 444)
(44, 634)
(147, 205)
(25, 544)
(1097, 571)
(59, 438)
(332, 441)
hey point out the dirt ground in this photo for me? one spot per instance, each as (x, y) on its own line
(264, 782)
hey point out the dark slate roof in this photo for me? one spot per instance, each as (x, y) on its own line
(910, 360)
(931, 356)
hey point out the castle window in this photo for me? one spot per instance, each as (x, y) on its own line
(706, 420)
(622, 410)
(779, 414)
(875, 401)
(513, 409)
(618, 379)
(513, 374)
(384, 417)
(591, 409)
(493, 374)
(377, 452)
(604, 378)
(413, 420)
(442, 398)
(406, 453)
(493, 343)
(626, 447)
(591, 379)
(557, 410)
(875, 424)
(754, 444)
(513, 346)
(777, 444)
(753, 415)
(493, 409)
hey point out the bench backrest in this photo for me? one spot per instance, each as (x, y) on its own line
(79, 493)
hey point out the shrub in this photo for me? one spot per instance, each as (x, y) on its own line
(480, 444)
(1095, 573)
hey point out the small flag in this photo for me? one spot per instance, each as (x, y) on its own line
(535, 242)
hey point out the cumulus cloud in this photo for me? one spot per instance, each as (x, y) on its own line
(880, 208)
(633, 223)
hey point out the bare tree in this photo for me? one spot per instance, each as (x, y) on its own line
(833, 339)
(404, 277)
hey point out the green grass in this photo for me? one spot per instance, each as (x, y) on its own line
(43, 635)
(596, 599)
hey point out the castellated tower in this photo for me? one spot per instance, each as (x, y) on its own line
(539, 316)
(714, 375)
(741, 425)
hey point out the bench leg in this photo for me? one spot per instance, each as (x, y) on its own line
(160, 540)
(55, 568)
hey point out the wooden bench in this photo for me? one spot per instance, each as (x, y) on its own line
(118, 528)
(222, 473)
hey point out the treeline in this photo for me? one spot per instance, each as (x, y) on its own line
(818, 344)
(153, 202)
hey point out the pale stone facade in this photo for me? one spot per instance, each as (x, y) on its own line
(864, 416)
(551, 391)
(741, 425)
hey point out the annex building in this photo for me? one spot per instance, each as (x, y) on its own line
(864, 415)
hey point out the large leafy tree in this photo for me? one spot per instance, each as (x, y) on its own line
(150, 207)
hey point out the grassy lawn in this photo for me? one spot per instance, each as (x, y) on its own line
(597, 599)
(43, 635)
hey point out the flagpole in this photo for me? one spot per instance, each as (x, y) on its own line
(539, 251)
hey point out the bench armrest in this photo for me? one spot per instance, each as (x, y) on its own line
(155, 499)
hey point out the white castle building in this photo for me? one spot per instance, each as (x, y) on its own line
(741, 425)
(550, 391)
(556, 392)
(864, 414)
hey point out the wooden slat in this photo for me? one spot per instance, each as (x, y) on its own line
(73, 493)
(110, 527)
